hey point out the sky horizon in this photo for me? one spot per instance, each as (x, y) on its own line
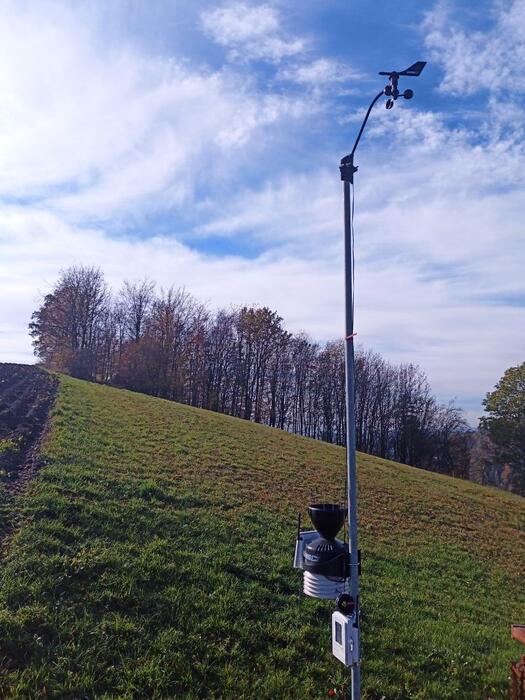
(198, 143)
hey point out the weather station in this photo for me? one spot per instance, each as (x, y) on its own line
(331, 567)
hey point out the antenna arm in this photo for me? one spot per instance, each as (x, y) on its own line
(380, 94)
(347, 166)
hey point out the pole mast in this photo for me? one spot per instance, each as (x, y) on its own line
(331, 567)
(351, 472)
(347, 169)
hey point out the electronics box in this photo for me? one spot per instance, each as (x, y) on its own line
(345, 639)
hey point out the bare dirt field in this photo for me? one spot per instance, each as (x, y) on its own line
(26, 395)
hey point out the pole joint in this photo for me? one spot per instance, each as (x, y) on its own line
(347, 168)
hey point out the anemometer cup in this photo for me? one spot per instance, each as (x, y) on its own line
(327, 518)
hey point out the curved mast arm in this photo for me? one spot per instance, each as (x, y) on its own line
(365, 120)
(347, 163)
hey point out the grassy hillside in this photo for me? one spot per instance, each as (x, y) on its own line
(153, 560)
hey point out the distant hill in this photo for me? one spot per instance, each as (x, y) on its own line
(152, 558)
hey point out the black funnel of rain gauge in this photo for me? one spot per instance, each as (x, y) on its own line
(328, 518)
(320, 555)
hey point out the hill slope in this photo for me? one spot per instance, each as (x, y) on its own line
(153, 560)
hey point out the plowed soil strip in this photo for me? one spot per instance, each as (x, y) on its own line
(26, 396)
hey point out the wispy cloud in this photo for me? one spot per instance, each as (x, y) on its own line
(320, 72)
(488, 60)
(250, 32)
(300, 211)
(103, 131)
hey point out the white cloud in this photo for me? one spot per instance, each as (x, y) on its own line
(97, 129)
(250, 32)
(320, 72)
(300, 211)
(489, 60)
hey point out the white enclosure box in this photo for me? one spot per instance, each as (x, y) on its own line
(345, 639)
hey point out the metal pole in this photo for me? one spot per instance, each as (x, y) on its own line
(347, 169)
(350, 429)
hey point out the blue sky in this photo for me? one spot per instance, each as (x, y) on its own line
(197, 143)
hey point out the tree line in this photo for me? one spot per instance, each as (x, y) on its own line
(243, 362)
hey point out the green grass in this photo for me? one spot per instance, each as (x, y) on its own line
(153, 560)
